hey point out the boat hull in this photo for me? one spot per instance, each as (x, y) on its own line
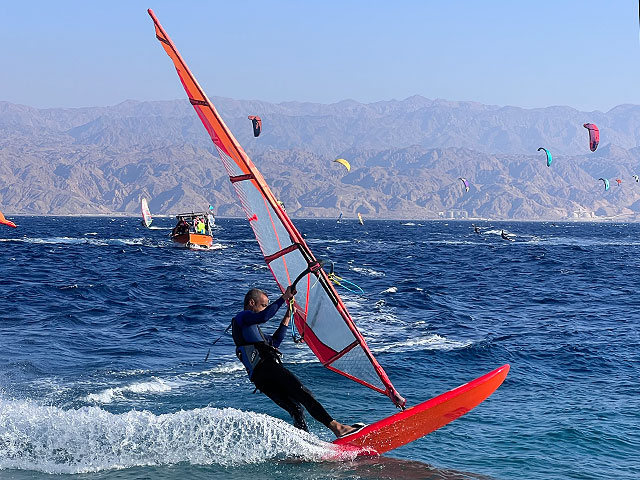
(193, 240)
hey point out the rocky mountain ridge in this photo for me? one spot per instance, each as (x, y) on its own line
(406, 158)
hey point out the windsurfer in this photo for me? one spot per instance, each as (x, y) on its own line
(260, 356)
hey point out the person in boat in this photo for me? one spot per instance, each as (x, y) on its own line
(181, 228)
(200, 226)
(260, 356)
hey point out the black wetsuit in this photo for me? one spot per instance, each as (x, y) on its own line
(258, 353)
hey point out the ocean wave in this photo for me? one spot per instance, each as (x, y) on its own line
(433, 342)
(225, 368)
(79, 241)
(368, 272)
(155, 385)
(56, 441)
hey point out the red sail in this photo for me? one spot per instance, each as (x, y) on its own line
(320, 315)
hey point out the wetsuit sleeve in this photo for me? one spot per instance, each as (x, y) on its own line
(251, 318)
(278, 335)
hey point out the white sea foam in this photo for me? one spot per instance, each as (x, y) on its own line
(390, 290)
(368, 272)
(352, 304)
(225, 368)
(158, 385)
(129, 373)
(155, 385)
(80, 241)
(432, 342)
(56, 441)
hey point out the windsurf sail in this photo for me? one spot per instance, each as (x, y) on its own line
(319, 313)
(340, 217)
(146, 214)
(360, 219)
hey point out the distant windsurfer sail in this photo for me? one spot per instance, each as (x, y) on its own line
(320, 315)
(146, 214)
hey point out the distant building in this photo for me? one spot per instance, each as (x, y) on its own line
(583, 214)
(454, 214)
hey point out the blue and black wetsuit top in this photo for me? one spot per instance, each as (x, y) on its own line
(252, 346)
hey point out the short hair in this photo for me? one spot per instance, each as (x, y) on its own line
(253, 294)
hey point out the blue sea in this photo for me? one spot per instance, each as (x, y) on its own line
(105, 325)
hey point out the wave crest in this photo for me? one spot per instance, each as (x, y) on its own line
(52, 440)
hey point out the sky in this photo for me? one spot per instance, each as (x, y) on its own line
(68, 53)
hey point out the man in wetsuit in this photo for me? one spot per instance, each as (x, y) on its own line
(258, 352)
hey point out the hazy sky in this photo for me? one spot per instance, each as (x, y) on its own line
(585, 54)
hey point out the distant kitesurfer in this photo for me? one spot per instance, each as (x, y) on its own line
(476, 229)
(504, 235)
(260, 356)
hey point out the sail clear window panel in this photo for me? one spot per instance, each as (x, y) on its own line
(230, 166)
(326, 322)
(293, 263)
(357, 364)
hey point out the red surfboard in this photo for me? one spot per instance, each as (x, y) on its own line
(416, 422)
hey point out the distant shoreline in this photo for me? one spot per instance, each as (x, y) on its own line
(354, 219)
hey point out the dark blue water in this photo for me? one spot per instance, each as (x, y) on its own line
(104, 327)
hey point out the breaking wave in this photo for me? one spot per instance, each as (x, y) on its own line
(432, 342)
(52, 440)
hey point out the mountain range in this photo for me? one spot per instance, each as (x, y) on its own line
(406, 158)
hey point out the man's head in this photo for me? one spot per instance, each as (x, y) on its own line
(256, 300)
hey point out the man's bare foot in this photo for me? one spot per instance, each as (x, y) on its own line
(340, 429)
